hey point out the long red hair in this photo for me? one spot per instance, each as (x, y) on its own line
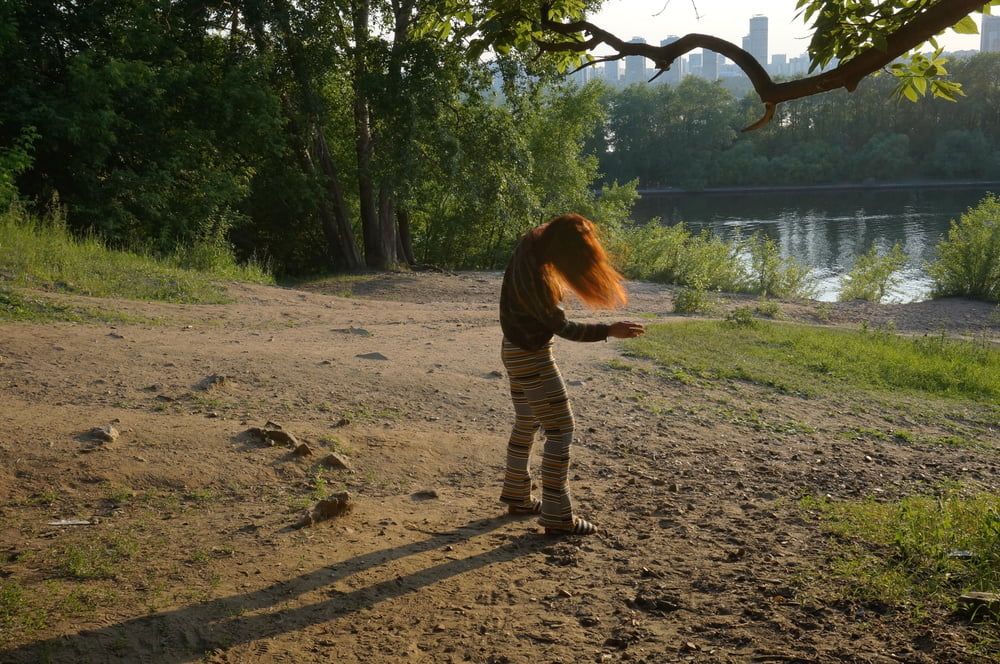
(572, 258)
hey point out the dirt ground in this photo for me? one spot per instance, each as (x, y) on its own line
(704, 553)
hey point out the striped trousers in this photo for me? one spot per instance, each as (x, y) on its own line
(540, 401)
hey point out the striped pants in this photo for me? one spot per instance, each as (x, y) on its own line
(539, 396)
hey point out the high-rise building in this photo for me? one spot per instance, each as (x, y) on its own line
(693, 64)
(758, 38)
(611, 72)
(635, 65)
(676, 72)
(709, 64)
(989, 39)
(779, 65)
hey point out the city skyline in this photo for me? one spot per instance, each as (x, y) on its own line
(655, 20)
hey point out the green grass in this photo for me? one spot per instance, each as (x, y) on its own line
(919, 551)
(17, 306)
(97, 559)
(17, 616)
(45, 255)
(810, 360)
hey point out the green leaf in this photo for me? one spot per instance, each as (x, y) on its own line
(967, 26)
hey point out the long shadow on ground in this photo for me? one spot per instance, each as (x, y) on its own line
(182, 634)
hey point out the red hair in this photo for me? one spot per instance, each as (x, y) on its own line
(572, 257)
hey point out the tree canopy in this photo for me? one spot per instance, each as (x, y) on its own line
(336, 134)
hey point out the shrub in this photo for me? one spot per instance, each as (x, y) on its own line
(692, 300)
(773, 275)
(873, 277)
(741, 317)
(968, 262)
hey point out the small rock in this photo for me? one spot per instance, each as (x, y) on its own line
(336, 461)
(271, 424)
(575, 383)
(495, 374)
(334, 506)
(342, 422)
(425, 494)
(213, 414)
(372, 356)
(979, 605)
(359, 331)
(272, 437)
(212, 382)
(302, 450)
(115, 335)
(106, 433)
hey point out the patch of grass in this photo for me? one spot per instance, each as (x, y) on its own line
(200, 496)
(17, 615)
(97, 559)
(18, 306)
(768, 308)
(46, 255)
(921, 549)
(806, 359)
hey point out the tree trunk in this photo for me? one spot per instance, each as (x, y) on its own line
(405, 238)
(378, 254)
(387, 222)
(336, 227)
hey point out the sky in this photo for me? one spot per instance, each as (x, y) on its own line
(728, 19)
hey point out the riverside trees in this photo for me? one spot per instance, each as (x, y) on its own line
(335, 133)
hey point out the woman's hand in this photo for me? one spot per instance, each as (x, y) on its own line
(626, 330)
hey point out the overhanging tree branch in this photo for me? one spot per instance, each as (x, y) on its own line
(847, 75)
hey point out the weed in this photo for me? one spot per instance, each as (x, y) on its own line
(741, 317)
(17, 615)
(97, 559)
(767, 308)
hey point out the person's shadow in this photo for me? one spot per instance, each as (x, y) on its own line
(184, 634)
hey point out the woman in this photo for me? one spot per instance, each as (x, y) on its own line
(563, 254)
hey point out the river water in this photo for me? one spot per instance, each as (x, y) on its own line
(826, 230)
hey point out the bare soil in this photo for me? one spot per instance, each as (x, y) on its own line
(704, 553)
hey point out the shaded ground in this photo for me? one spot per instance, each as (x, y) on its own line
(704, 553)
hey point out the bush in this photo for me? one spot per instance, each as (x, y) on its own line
(968, 262)
(873, 277)
(692, 300)
(741, 317)
(772, 275)
(673, 255)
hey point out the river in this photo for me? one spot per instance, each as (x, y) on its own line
(827, 229)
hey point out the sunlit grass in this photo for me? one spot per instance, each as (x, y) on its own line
(917, 551)
(45, 255)
(813, 360)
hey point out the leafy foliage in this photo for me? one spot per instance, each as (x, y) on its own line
(968, 262)
(873, 276)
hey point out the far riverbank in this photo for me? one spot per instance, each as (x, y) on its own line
(850, 186)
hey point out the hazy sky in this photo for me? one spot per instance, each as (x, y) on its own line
(729, 19)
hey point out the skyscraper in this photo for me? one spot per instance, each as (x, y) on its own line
(989, 40)
(635, 65)
(758, 38)
(709, 64)
(611, 72)
(676, 71)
